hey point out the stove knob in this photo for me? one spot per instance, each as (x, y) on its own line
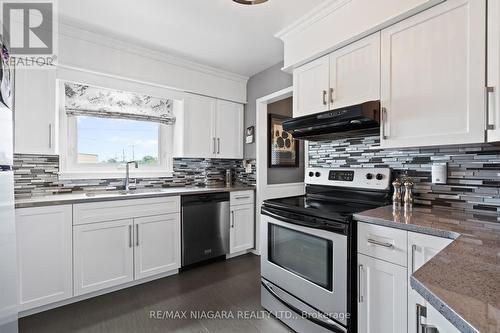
(369, 176)
(318, 174)
(311, 174)
(379, 176)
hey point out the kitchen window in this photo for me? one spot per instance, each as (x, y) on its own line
(104, 129)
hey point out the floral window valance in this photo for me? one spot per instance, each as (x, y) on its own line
(84, 100)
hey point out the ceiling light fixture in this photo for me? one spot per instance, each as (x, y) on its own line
(250, 2)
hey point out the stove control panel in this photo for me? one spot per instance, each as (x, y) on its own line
(366, 178)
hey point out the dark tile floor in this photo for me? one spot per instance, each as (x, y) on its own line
(231, 286)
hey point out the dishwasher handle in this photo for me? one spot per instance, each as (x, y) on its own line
(204, 198)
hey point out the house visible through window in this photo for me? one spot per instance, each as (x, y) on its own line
(112, 141)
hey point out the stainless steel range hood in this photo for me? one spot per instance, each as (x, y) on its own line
(357, 120)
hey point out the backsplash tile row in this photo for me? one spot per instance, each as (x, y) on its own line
(473, 170)
(37, 175)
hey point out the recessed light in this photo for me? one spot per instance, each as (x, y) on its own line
(250, 2)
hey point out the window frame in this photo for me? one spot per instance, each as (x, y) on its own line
(69, 169)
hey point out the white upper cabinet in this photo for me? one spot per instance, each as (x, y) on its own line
(208, 128)
(310, 87)
(194, 132)
(433, 82)
(44, 247)
(35, 111)
(346, 77)
(355, 73)
(493, 70)
(229, 130)
(334, 24)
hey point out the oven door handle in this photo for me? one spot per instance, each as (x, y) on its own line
(340, 229)
(328, 325)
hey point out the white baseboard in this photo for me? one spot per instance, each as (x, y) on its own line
(94, 294)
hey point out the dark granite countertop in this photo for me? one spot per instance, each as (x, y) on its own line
(462, 281)
(82, 197)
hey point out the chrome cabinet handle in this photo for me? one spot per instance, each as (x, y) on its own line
(424, 328)
(218, 145)
(332, 96)
(376, 242)
(489, 126)
(383, 120)
(214, 147)
(360, 287)
(232, 219)
(421, 312)
(324, 97)
(130, 235)
(243, 197)
(413, 249)
(136, 235)
(50, 135)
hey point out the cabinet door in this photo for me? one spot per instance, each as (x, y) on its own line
(355, 73)
(421, 248)
(382, 296)
(194, 132)
(157, 245)
(241, 236)
(44, 246)
(432, 82)
(103, 255)
(35, 111)
(310, 87)
(493, 70)
(229, 129)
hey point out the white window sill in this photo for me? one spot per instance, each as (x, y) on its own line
(106, 174)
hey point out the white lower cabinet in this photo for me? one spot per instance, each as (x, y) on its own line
(421, 248)
(44, 249)
(241, 235)
(157, 245)
(103, 255)
(382, 296)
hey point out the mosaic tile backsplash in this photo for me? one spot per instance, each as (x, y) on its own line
(473, 170)
(37, 175)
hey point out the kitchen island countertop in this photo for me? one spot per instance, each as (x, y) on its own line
(463, 280)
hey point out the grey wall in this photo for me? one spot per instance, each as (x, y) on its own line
(260, 85)
(285, 175)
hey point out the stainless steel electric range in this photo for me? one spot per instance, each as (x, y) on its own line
(308, 262)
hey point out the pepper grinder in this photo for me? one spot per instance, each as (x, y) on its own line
(396, 196)
(408, 198)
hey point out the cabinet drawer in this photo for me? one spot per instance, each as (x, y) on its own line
(124, 209)
(242, 198)
(383, 243)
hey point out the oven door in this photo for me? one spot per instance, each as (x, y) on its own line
(307, 259)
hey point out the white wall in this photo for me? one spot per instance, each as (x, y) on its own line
(89, 51)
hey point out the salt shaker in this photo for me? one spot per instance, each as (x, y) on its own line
(408, 198)
(396, 197)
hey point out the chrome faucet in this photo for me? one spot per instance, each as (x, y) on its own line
(126, 182)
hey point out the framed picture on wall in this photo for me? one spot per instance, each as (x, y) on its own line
(283, 150)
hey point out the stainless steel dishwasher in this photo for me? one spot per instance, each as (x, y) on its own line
(205, 227)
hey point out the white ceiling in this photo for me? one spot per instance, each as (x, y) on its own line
(219, 33)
